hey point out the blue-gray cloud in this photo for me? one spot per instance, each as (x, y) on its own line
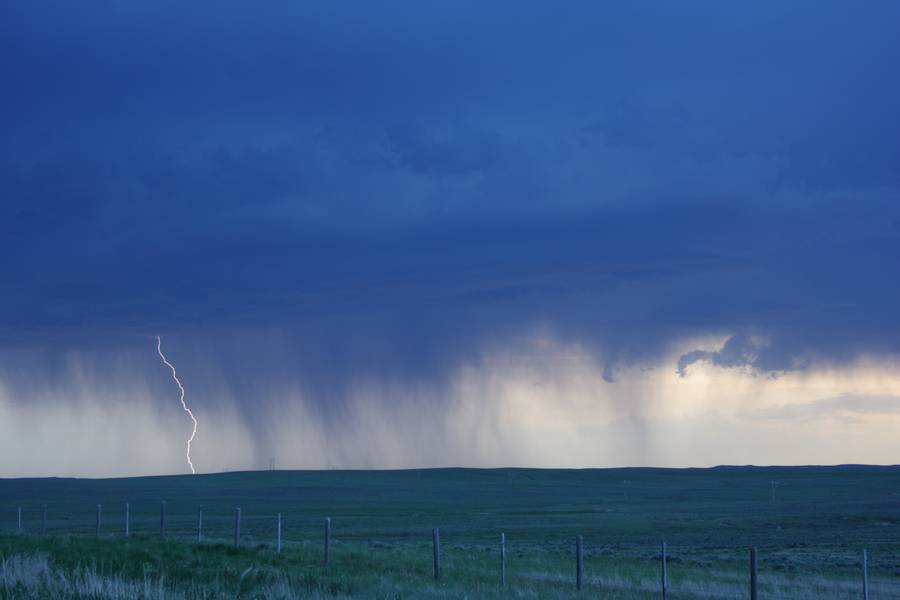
(741, 351)
(396, 185)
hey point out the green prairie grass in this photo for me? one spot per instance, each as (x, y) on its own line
(810, 540)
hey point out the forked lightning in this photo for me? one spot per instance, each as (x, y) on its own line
(183, 404)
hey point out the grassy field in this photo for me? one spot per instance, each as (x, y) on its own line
(810, 539)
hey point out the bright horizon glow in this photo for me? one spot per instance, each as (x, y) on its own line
(541, 404)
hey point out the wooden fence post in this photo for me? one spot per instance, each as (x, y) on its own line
(327, 541)
(753, 574)
(237, 527)
(19, 520)
(865, 570)
(278, 544)
(579, 563)
(502, 560)
(665, 573)
(127, 519)
(436, 542)
(99, 511)
(162, 519)
(199, 524)
(44, 520)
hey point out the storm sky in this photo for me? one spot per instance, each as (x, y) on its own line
(412, 234)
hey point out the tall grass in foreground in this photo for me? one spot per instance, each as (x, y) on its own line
(152, 570)
(32, 576)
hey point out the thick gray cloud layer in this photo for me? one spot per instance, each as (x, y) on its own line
(389, 187)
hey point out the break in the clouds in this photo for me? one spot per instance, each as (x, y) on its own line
(847, 407)
(306, 196)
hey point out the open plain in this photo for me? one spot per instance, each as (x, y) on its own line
(810, 534)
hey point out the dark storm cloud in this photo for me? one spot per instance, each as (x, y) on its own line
(397, 184)
(424, 155)
(739, 351)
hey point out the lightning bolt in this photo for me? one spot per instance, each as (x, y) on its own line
(183, 405)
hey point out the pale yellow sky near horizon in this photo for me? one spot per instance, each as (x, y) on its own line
(544, 404)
